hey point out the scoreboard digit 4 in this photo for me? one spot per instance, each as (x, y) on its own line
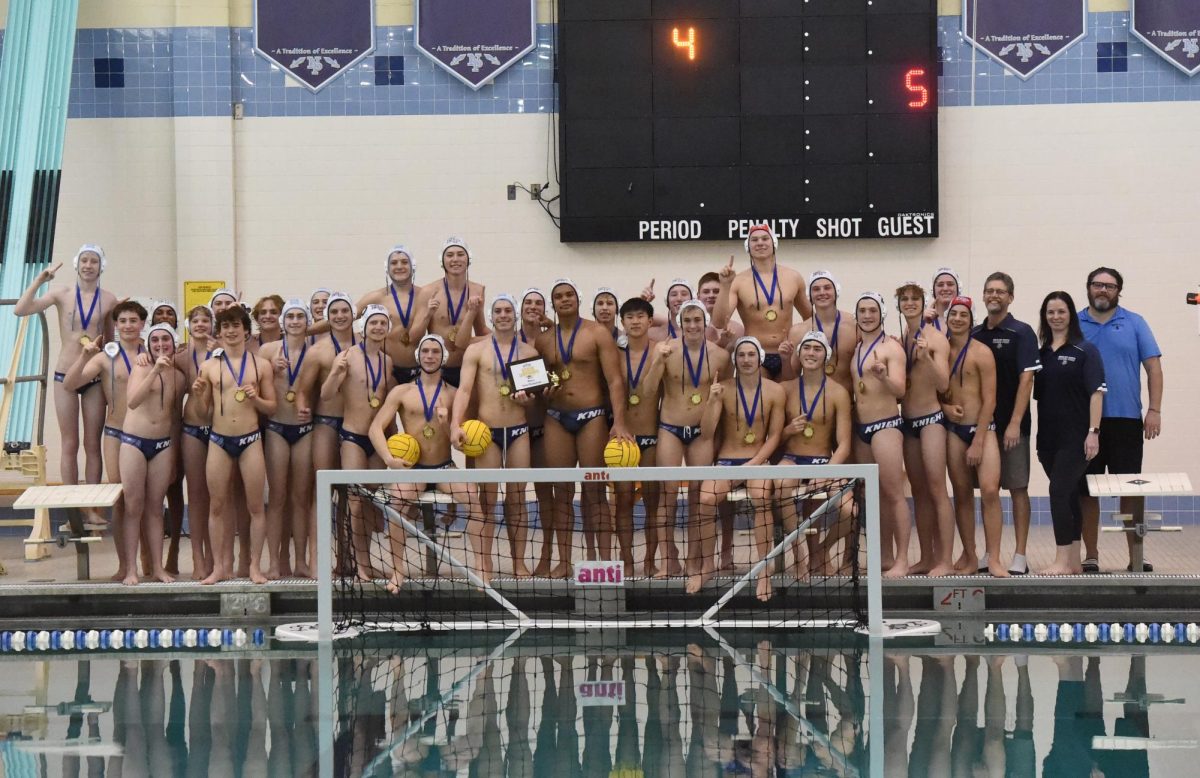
(693, 119)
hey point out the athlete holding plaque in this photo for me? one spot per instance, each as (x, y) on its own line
(763, 296)
(232, 384)
(443, 307)
(83, 316)
(749, 410)
(487, 384)
(289, 446)
(689, 366)
(586, 361)
(818, 434)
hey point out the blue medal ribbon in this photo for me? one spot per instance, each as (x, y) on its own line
(687, 358)
(862, 359)
(85, 320)
(241, 373)
(911, 349)
(769, 294)
(196, 362)
(958, 362)
(805, 408)
(671, 330)
(512, 350)
(634, 378)
(750, 411)
(406, 314)
(429, 407)
(292, 374)
(565, 354)
(376, 375)
(837, 326)
(450, 309)
(337, 347)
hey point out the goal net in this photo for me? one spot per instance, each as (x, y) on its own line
(753, 547)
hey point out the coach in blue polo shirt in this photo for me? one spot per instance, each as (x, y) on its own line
(1015, 348)
(1127, 346)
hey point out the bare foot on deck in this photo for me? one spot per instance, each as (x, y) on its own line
(967, 565)
(520, 570)
(898, 570)
(650, 571)
(561, 571)
(130, 580)
(302, 571)
(697, 581)
(997, 570)
(920, 568)
(366, 573)
(764, 590)
(164, 576)
(941, 570)
(256, 575)
(394, 583)
(215, 577)
(673, 567)
(542, 570)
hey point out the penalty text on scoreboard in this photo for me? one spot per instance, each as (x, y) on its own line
(830, 227)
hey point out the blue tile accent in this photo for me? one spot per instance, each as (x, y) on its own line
(109, 72)
(203, 71)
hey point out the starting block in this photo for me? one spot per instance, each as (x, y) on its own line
(74, 498)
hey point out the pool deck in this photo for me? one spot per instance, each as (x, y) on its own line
(49, 588)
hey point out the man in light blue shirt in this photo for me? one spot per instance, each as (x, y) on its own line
(1127, 346)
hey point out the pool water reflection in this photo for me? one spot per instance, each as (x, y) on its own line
(548, 707)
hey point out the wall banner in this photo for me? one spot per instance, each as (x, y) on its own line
(314, 42)
(475, 40)
(1171, 28)
(1024, 35)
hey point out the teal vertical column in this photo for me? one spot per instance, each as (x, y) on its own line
(35, 76)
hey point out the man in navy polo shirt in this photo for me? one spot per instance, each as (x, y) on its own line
(1126, 344)
(1015, 347)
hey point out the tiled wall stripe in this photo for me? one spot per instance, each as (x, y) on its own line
(201, 71)
(1079, 75)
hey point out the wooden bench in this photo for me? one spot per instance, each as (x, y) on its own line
(74, 499)
(1138, 486)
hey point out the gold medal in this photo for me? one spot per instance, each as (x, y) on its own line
(404, 339)
(809, 432)
(696, 398)
(771, 314)
(748, 437)
(504, 390)
(634, 399)
(290, 396)
(830, 368)
(84, 340)
(565, 374)
(374, 402)
(428, 432)
(862, 387)
(240, 395)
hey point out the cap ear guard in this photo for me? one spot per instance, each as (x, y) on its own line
(692, 304)
(336, 296)
(602, 291)
(296, 304)
(945, 271)
(684, 284)
(164, 304)
(162, 326)
(762, 354)
(387, 262)
(817, 276)
(878, 298)
(533, 290)
(506, 297)
(816, 336)
(436, 339)
(564, 281)
(766, 228)
(223, 291)
(371, 311)
(452, 241)
(92, 247)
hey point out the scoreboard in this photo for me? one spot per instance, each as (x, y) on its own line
(693, 119)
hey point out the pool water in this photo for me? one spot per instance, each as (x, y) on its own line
(632, 705)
